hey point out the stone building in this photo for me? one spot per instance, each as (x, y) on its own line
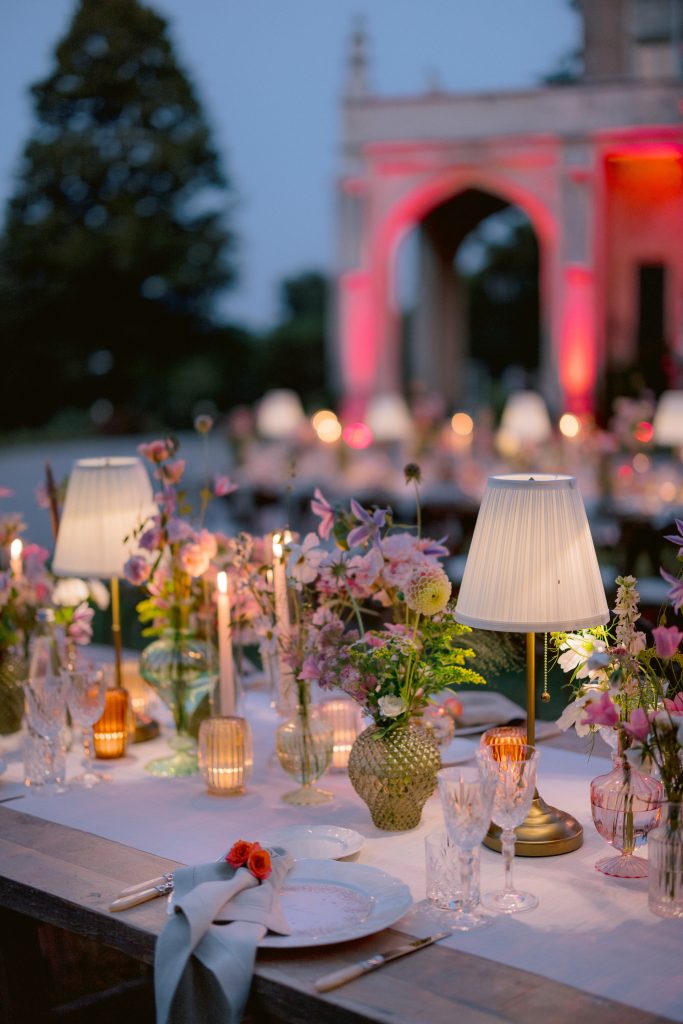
(596, 166)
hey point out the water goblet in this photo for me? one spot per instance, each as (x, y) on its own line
(85, 697)
(514, 772)
(467, 793)
(46, 719)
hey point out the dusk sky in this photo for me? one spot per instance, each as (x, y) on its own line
(270, 74)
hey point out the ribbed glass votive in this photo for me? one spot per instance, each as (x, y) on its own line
(504, 740)
(225, 754)
(110, 732)
(346, 719)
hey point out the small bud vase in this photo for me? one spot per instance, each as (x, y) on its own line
(395, 774)
(665, 852)
(304, 746)
(626, 806)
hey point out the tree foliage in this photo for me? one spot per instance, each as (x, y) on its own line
(115, 240)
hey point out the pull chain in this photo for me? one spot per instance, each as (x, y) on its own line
(545, 696)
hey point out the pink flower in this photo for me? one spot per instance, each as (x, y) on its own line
(208, 543)
(310, 669)
(638, 725)
(223, 485)
(675, 706)
(34, 561)
(172, 471)
(80, 628)
(157, 451)
(194, 559)
(675, 593)
(667, 639)
(601, 712)
(136, 570)
(320, 506)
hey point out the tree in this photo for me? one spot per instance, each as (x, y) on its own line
(293, 354)
(115, 240)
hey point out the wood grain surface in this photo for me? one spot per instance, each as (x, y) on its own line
(67, 878)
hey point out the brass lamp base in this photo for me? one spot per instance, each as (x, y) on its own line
(545, 832)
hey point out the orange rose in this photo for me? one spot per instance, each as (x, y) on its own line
(238, 853)
(258, 862)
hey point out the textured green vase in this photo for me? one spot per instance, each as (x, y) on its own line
(394, 774)
(12, 674)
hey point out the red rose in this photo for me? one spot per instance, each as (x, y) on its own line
(238, 854)
(259, 862)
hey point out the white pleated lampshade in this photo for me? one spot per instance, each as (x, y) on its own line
(279, 414)
(525, 418)
(532, 565)
(106, 499)
(389, 418)
(668, 421)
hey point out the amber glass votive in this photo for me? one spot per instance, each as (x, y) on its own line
(505, 741)
(346, 720)
(110, 732)
(225, 754)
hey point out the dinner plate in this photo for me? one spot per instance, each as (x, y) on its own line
(327, 901)
(474, 730)
(316, 842)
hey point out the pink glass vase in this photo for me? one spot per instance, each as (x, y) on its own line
(626, 805)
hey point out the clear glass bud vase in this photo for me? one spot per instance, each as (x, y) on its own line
(626, 806)
(665, 850)
(304, 746)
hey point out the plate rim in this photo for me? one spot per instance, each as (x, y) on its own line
(369, 927)
(355, 840)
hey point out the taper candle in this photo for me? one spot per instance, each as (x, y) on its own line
(226, 668)
(15, 562)
(286, 700)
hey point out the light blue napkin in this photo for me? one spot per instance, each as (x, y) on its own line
(204, 958)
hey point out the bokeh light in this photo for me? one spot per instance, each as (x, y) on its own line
(643, 432)
(357, 435)
(570, 425)
(462, 424)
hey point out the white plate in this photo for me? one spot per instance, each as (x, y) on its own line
(474, 730)
(316, 842)
(328, 901)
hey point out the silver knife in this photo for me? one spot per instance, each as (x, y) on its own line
(340, 977)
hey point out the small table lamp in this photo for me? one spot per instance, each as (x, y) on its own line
(532, 567)
(106, 499)
(668, 421)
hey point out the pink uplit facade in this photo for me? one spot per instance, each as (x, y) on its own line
(596, 166)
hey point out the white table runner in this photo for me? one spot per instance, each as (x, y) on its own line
(590, 931)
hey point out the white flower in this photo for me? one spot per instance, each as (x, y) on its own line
(578, 650)
(390, 706)
(99, 594)
(70, 592)
(304, 559)
(574, 712)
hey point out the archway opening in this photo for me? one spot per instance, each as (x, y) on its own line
(468, 290)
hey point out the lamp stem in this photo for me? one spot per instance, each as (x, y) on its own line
(531, 689)
(116, 629)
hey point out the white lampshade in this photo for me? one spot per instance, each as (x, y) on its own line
(279, 414)
(106, 499)
(525, 418)
(668, 421)
(389, 418)
(532, 565)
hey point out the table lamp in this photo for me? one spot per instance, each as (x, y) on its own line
(279, 414)
(389, 418)
(668, 422)
(525, 418)
(106, 499)
(532, 567)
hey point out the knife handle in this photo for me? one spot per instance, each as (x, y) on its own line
(132, 900)
(150, 883)
(336, 978)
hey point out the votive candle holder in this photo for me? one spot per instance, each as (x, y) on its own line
(110, 732)
(505, 741)
(346, 719)
(225, 754)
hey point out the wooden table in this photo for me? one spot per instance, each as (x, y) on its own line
(61, 877)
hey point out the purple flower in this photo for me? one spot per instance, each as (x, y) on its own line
(320, 506)
(80, 628)
(136, 570)
(675, 594)
(177, 530)
(677, 538)
(371, 524)
(667, 639)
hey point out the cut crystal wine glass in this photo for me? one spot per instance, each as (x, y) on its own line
(85, 697)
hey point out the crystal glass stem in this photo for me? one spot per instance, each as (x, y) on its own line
(507, 843)
(466, 862)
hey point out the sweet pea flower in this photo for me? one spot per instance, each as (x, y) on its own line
(638, 725)
(321, 507)
(178, 530)
(601, 712)
(208, 543)
(675, 706)
(194, 559)
(370, 525)
(151, 538)
(310, 669)
(80, 628)
(172, 472)
(136, 570)
(223, 485)
(667, 640)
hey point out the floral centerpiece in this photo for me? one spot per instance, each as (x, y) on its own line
(371, 614)
(635, 692)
